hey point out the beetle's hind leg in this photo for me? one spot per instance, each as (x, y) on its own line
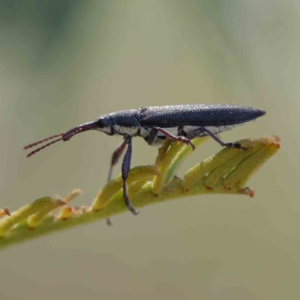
(229, 145)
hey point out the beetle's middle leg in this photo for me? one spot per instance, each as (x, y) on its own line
(170, 136)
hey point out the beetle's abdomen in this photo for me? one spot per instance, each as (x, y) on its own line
(198, 115)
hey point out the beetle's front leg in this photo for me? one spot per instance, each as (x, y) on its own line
(114, 159)
(125, 171)
(170, 136)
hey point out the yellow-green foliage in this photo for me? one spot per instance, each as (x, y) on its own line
(226, 172)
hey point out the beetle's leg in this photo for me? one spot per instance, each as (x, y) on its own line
(231, 145)
(152, 136)
(170, 136)
(114, 159)
(125, 171)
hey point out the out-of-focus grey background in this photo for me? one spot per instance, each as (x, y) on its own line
(63, 63)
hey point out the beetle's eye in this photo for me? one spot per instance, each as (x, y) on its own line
(102, 122)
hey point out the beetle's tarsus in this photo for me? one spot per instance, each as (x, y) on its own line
(235, 145)
(130, 207)
(108, 222)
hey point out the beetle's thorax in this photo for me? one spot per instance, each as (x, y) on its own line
(121, 122)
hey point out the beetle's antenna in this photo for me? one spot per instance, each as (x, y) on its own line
(41, 148)
(63, 137)
(42, 141)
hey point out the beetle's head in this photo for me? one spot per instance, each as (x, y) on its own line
(103, 124)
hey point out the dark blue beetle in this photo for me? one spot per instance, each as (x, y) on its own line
(157, 123)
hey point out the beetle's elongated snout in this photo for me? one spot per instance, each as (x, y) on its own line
(63, 137)
(78, 129)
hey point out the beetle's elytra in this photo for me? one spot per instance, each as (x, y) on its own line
(157, 123)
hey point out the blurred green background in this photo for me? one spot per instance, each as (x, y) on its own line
(63, 63)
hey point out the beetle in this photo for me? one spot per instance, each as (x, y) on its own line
(157, 123)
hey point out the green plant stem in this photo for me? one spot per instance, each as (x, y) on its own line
(224, 173)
